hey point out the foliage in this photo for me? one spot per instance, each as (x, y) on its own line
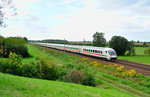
(9, 5)
(1, 45)
(147, 51)
(119, 71)
(119, 44)
(14, 64)
(16, 45)
(1, 40)
(99, 40)
(77, 74)
(40, 69)
(55, 41)
(25, 38)
(144, 43)
(130, 48)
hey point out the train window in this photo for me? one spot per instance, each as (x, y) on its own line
(101, 52)
(96, 51)
(111, 52)
(106, 51)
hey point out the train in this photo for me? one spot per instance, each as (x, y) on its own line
(100, 52)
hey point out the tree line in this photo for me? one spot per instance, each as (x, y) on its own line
(120, 44)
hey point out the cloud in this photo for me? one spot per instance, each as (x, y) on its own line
(105, 16)
(80, 19)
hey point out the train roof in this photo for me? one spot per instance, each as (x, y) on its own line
(79, 46)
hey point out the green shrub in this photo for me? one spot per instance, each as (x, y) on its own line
(4, 66)
(14, 66)
(76, 74)
(48, 70)
(16, 45)
(89, 80)
(41, 69)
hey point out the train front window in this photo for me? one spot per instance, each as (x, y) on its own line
(111, 52)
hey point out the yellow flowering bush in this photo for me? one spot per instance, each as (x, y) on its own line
(120, 69)
(95, 63)
(115, 65)
(85, 60)
(132, 73)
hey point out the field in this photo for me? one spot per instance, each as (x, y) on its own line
(29, 87)
(140, 50)
(107, 85)
(140, 56)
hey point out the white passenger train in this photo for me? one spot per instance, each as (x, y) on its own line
(102, 52)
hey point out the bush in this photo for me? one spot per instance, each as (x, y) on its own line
(147, 51)
(14, 64)
(48, 70)
(89, 80)
(3, 66)
(16, 45)
(40, 69)
(76, 74)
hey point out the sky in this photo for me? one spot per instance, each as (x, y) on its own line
(78, 20)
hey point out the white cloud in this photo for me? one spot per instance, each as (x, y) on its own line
(81, 19)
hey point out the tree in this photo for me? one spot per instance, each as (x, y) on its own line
(130, 48)
(119, 44)
(147, 51)
(5, 4)
(1, 45)
(144, 43)
(25, 38)
(99, 40)
(1, 41)
(15, 45)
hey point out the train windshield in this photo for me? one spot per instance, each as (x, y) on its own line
(111, 52)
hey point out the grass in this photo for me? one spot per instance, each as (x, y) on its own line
(140, 50)
(140, 57)
(29, 87)
(107, 85)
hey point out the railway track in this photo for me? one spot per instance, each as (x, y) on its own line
(133, 64)
(139, 67)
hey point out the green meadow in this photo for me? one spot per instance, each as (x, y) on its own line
(140, 56)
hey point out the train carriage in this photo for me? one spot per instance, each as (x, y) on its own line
(101, 52)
